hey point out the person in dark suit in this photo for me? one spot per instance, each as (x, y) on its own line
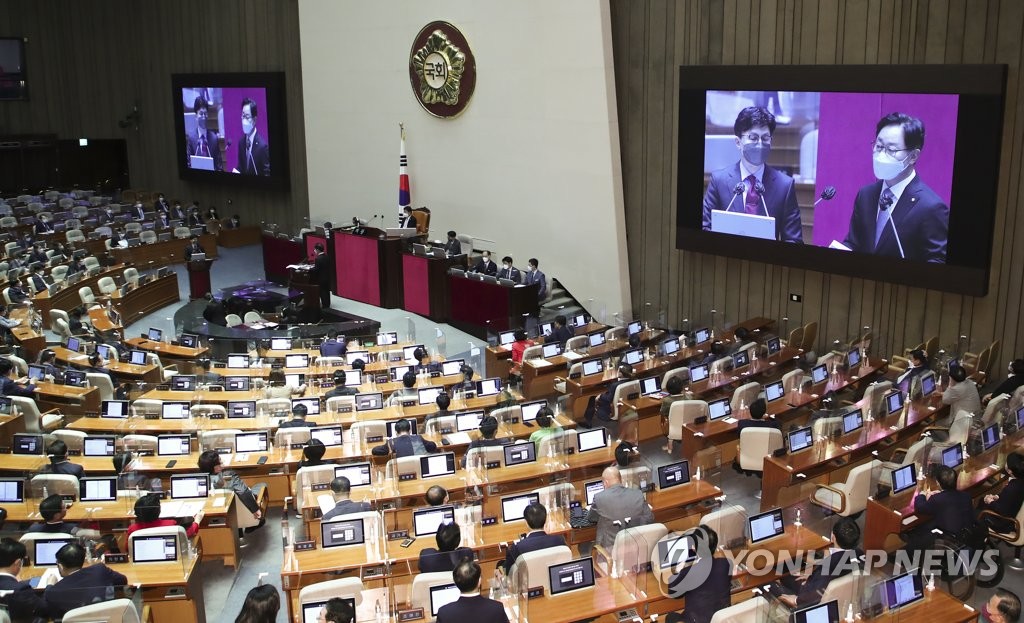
(195, 218)
(177, 212)
(52, 511)
(160, 206)
(918, 366)
(485, 265)
(8, 386)
(313, 454)
(214, 312)
(471, 605)
(163, 220)
(37, 254)
(407, 219)
(702, 602)
(405, 443)
(1008, 501)
(138, 213)
(76, 322)
(298, 420)
(1014, 379)
(950, 510)
(44, 226)
(79, 586)
(508, 270)
(39, 280)
(899, 215)
(59, 463)
(202, 142)
(253, 151)
(488, 429)
(561, 332)
(612, 506)
(452, 246)
(806, 589)
(341, 489)
(448, 553)
(234, 222)
(603, 406)
(96, 366)
(47, 359)
(16, 293)
(757, 410)
(764, 190)
(536, 539)
(23, 603)
(534, 276)
(322, 273)
(193, 247)
(339, 387)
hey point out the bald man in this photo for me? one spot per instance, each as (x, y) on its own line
(617, 507)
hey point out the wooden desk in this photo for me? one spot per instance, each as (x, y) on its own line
(31, 341)
(425, 284)
(171, 354)
(477, 307)
(149, 372)
(68, 298)
(157, 254)
(147, 298)
(239, 237)
(70, 400)
(9, 425)
(498, 359)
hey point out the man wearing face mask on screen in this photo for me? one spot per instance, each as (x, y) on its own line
(253, 151)
(203, 143)
(898, 215)
(763, 190)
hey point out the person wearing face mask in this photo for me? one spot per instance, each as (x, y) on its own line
(766, 191)
(1002, 607)
(177, 212)
(44, 226)
(138, 212)
(485, 265)
(160, 206)
(202, 142)
(253, 151)
(1014, 379)
(407, 219)
(534, 276)
(899, 215)
(508, 271)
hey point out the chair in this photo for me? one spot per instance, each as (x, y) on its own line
(792, 380)
(683, 412)
(182, 232)
(133, 442)
(166, 372)
(213, 439)
(253, 316)
(337, 404)
(147, 237)
(810, 335)
(744, 395)
(19, 364)
(274, 406)
(232, 320)
(488, 454)
(101, 382)
(345, 588)
(850, 497)
(615, 333)
(368, 428)
(755, 445)
(35, 422)
(435, 425)
(164, 531)
(559, 383)
(683, 374)
(622, 392)
(61, 484)
(74, 439)
(875, 394)
(113, 611)
(917, 453)
(537, 563)
(958, 431)
(306, 477)
(422, 582)
(72, 235)
(133, 228)
(8, 222)
(747, 611)
(59, 273)
(576, 343)
(402, 465)
(80, 212)
(7, 296)
(208, 410)
(995, 410)
(284, 437)
(91, 262)
(1013, 538)
(465, 244)
(106, 285)
(796, 338)
(533, 352)
(86, 295)
(644, 538)
(729, 522)
(131, 276)
(979, 362)
(61, 328)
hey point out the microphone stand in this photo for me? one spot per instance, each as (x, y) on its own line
(738, 190)
(888, 216)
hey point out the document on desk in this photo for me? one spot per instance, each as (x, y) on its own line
(326, 502)
(572, 355)
(458, 438)
(170, 510)
(538, 363)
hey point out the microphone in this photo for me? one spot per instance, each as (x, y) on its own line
(884, 204)
(737, 190)
(826, 195)
(759, 187)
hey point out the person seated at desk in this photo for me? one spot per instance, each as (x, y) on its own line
(443, 401)
(758, 409)
(129, 479)
(118, 239)
(950, 510)
(341, 489)
(138, 213)
(1008, 501)
(485, 265)
(234, 222)
(53, 511)
(1014, 379)
(10, 387)
(147, 515)
(962, 393)
(741, 337)
(448, 553)
(407, 220)
(39, 280)
(193, 247)
(210, 463)
(488, 429)
(534, 276)
(76, 322)
(278, 386)
(211, 214)
(519, 346)
(336, 610)
(195, 219)
(424, 362)
(536, 539)
(467, 384)
(44, 226)
(471, 605)
(214, 312)
(561, 333)
(408, 390)
(340, 389)
(508, 270)
(59, 463)
(37, 254)
(603, 407)
(714, 594)
(163, 220)
(614, 505)
(47, 359)
(333, 347)
(715, 351)
(206, 377)
(918, 366)
(806, 589)
(298, 420)
(96, 366)
(436, 495)
(545, 420)
(313, 454)
(177, 212)
(405, 443)
(452, 246)
(22, 601)
(16, 293)
(80, 585)
(1002, 607)
(675, 388)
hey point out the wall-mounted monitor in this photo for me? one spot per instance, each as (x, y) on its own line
(13, 75)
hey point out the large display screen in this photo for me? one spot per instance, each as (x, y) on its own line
(882, 172)
(13, 75)
(231, 128)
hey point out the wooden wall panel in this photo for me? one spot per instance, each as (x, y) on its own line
(651, 39)
(89, 62)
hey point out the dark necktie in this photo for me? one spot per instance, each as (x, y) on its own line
(250, 163)
(753, 203)
(884, 203)
(204, 149)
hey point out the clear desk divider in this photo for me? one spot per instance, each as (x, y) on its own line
(871, 597)
(629, 426)
(639, 474)
(556, 499)
(706, 465)
(440, 342)
(631, 557)
(730, 524)
(410, 329)
(514, 593)
(476, 466)
(469, 517)
(552, 450)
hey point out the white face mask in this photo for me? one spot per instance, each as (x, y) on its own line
(886, 167)
(246, 127)
(486, 259)
(507, 266)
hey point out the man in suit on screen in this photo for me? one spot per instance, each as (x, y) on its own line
(899, 215)
(765, 191)
(253, 151)
(203, 142)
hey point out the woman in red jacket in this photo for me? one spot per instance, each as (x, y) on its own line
(147, 515)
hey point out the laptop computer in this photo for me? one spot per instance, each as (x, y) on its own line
(743, 224)
(902, 590)
(766, 525)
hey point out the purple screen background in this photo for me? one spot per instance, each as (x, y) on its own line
(846, 130)
(233, 120)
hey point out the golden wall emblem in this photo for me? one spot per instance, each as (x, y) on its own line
(442, 69)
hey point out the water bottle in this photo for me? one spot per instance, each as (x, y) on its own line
(379, 612)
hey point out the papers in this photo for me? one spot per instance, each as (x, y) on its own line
(572, 355)
(181, 508)
(326, 502)
(458, 438)
(730, 420)
(538, 363)
(303, 267)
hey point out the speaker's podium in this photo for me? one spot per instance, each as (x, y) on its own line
(198, 275)
(300, 278)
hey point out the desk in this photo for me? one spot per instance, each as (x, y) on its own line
(70, 400)
(157, 254)
(478, 306)
(148, 372)
(278, 253)
(425, 284)
(147, 298)
(31, 341)
(368, 268)
(183, 356)
(498, 359)
(239, 236)
(68, 298)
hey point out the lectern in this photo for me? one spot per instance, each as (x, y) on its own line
(198, 278)
(300, 277)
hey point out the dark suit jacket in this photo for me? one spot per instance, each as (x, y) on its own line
(161, 206)
(489, 269)
(22, 602)
(537, 277)
(779, 197)
(920, 216)
(530, 543)
(560, 335)
(403, 446)
(453, 247)
(189, 250)
(138, 213)
(1009, 386)
(1010, 499)
(9, 388)
(603, 405)
(713, 595)
(178, 213)
(765, 423)
(39, 283)
(214, 313)
(260, 156)
(512, 273)
(345, 507)
(477, 609)
(836, 565)
(951, 511)
(322, 266)
(163, 221)
(341, 390)
(212, 141)
(296, 423)
(83, 587)
(407, 222)
(65, 467)
(432, 560)
(333, 348)
(42, 228)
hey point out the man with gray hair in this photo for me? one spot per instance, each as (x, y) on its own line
(617, 507)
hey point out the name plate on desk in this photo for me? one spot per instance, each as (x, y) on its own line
(493, 464)
(446, 431)
(74, 452)
(298, 446)
(514, 420)
(489, 521)
(320, 486)
(535, 592)
(435, 375)
(407, 477)
(408, 403)
(381, 378)
(304, 546)
(374, 439)
(215, 416)
(224, 450)
(398, 535)
(414, 614)
(112, 559)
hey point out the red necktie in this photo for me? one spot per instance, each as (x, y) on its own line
(753, 203)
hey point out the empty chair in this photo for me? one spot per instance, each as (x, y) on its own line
(615, 333)
(622, 392)
(403, 465)
(537, 563)
(86, 295)
(722, 364)
(58, 273)
(142, 407)
(19, 364)
(136, 443)
(743, 396)
(10, 221)
(792, 380)
(61, 484)
(208, 410)
(91, 262)
(850, 497)
(274, 406)
(182, 232)
(232, 320)
(252, 317)
(874, 394)
(131, 275)
(810, 335)
(683, 412)
(113, 611)
(132, 227)
(35, 422)
(285, 437)
(729, 522)
(73, 223)
(72, 235)
(106, 285)
(576, 343)
(10, 248)
(368, 428)
(104, 231)
(752, 610)
(796, 338)
(80, 212)
(643, 538)
(755, 445)
(213, 439)
(147, 237)
(166, 372)
(102, 383)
